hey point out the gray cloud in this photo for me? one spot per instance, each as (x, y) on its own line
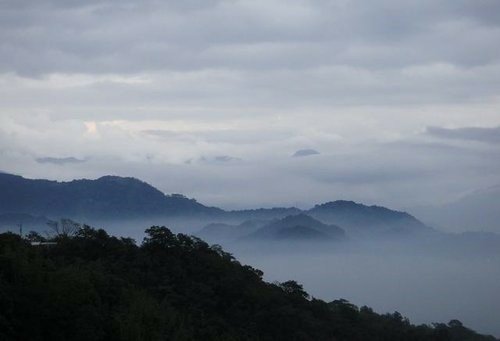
(243, 35)
(59, 160)
(243, 58)
(487, 135)
(238, 86)
(225, 158)
(305, 152)
(218, 159)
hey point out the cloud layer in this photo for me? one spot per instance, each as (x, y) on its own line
(487, 135)
(210, 98)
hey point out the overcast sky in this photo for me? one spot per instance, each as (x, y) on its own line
(251, 103)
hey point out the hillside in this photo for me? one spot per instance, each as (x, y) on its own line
(106, 197)
(295, 227)
(263, 213)
(219, 232)
(358, 219)
(175, 287)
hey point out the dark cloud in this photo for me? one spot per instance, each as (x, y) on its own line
(225, 158)
(59, 160)
(219, 159)
(486, 135)
(305, 152)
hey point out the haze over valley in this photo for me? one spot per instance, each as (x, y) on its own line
(372, 255)
(250, 170)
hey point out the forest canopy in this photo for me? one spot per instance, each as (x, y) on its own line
(89, 285)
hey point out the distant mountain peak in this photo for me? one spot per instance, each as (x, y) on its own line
(296, 226)
(121, 180)
(343, 204)
(361, 219)
(338, 203)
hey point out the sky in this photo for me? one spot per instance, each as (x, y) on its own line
(256, 103)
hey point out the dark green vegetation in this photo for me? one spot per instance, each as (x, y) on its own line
(173, 287)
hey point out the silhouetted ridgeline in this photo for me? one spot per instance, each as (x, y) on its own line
(293, 227)
(106, 197)
(172, 287)
(117, 198)
(358, 219)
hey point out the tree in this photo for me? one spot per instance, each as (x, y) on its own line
(160, 236)
(34, 236)
(455, 324)
(64, 227)
(294, 288)
(172, 287)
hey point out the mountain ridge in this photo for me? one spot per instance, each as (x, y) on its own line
(476, 211)
(106, 196)
(296, 226)
(116, 197)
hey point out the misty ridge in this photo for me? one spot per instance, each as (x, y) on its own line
(373, 255)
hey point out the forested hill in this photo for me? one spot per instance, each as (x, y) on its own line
(172, 287)
(106, 197)
(123, 198)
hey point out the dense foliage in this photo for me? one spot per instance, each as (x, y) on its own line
(172, 287)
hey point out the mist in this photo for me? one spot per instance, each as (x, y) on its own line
(424, 285)
(430, 279)
(123, 115)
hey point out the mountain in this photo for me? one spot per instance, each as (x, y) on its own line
(361, 220)
(478, 211)
(219, 232)
(106, 197)
(299, 232)
(294, 227)
(123, 198)
(264, 213)
(173, 287)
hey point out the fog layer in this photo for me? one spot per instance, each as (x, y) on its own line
(424, 283)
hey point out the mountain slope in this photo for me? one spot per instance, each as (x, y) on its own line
(264, 213)
(219, 232)
(119, 198)
(295, 226)
(106, 197)
(359, 219)
(478, 211)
